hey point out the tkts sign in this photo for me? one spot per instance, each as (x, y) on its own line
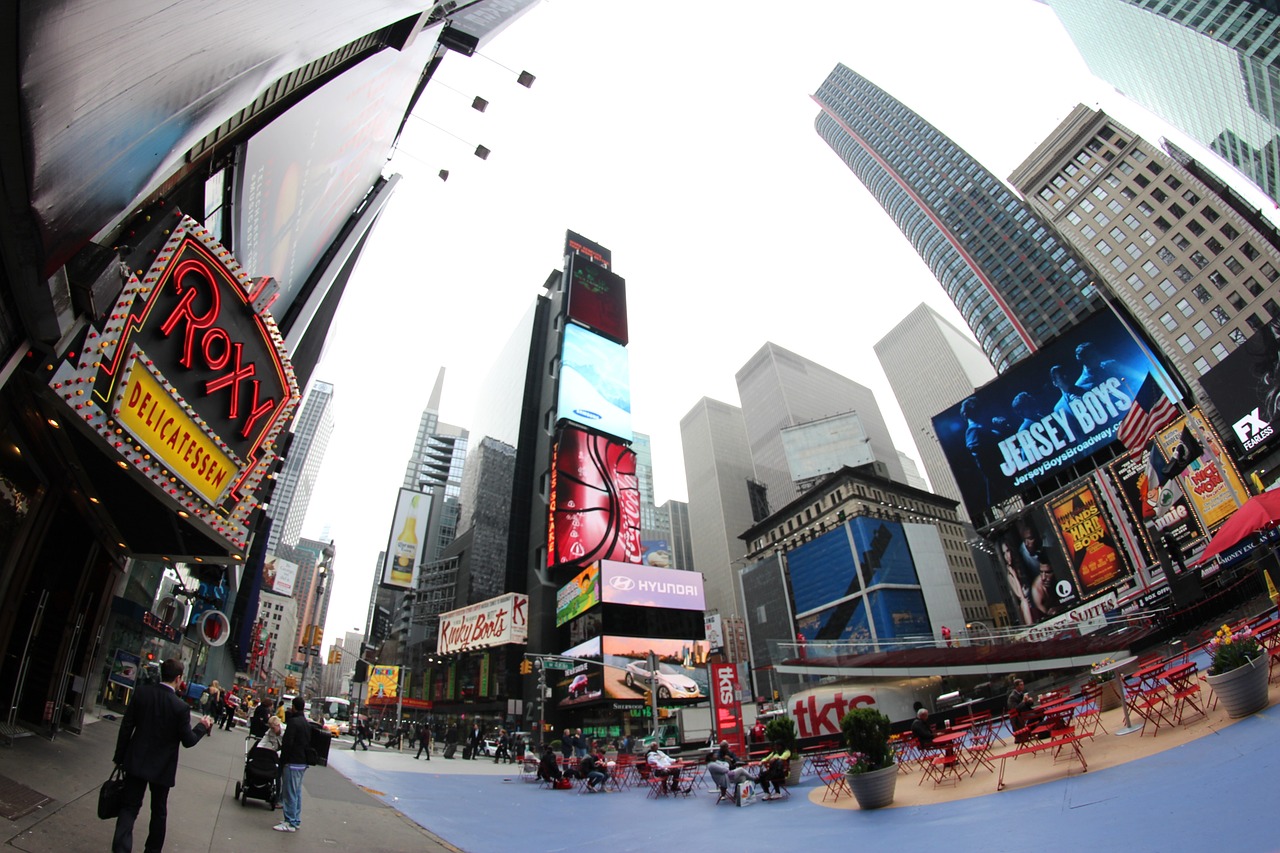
(187, 381)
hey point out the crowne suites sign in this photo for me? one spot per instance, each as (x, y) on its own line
(186, 379)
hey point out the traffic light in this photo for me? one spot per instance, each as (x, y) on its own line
(526, 667)
(317, 635)
(334, 656)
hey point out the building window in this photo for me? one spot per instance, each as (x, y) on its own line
(1181, 242)
(1133, 250)
(1168, 288)
(1073, 217)
(1103, 246)
(1177, 210)
(1183, 273)
(1102, 219)
(1212, 215)
(1202, 329)
(1202, 365)
(1271, 308)
(1201, 293)
(1248, 251)
(1135, 281)
(1191, 197)
(1199, 260)
(1119, 263)
(1235, 300)
(1086, 205)
(1168, 321)
(1150, 268)
(1255, 322)
(1269, 272)
(1195, 227)
(1220, 314)
(1237, 336)
(1227, 231)
(1251, 285)
(1172, 183)
(1213, 245)
(1141, 180)
(1185, 307)
(1159, 195)
(1165, 255)
(1186, 343)
(1153, 301)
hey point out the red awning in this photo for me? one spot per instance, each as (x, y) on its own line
(392, 701)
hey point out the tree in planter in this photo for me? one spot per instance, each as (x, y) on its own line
(782, 730)
(866, 737)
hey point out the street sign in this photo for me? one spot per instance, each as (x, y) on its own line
(549, 663)
(293, 667)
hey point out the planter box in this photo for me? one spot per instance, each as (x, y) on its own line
(1243, 690)
(874, 790)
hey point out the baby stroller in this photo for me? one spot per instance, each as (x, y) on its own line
(261, 774)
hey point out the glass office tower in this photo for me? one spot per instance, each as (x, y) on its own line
(1014, 280)
(1207, 67)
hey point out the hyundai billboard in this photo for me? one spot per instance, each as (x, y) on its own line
(1046, 413)
(645, 586)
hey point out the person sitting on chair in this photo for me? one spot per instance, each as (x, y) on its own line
(725, 768)
(773, 768)
(664, 768)
(548, 767)
(1021, 706)
(921, 728)
(592, 768)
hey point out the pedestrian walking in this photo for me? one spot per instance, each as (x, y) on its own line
(156, 722)
(293, 757)
(424, 741)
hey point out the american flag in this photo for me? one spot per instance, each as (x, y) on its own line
(1150, 411)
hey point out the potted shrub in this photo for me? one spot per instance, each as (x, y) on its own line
(782, 730)
(872, 773)
(1238, 673)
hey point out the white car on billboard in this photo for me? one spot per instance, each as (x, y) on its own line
(671, 682)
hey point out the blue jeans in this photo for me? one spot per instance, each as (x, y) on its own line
(291, 793)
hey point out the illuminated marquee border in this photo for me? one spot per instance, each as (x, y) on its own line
(108, 352)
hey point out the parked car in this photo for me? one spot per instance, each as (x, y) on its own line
(671, 682)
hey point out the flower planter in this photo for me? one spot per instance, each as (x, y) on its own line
(875, 789)
(1243, 690)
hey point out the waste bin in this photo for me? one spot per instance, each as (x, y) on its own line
(320, 742)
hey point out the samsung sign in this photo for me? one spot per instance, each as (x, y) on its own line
(646, 586)
(1240, 387)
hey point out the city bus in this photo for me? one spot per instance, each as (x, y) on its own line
(337, 715)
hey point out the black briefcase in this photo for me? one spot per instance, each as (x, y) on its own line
(111, 795)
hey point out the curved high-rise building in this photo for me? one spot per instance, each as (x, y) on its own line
(1015, 282)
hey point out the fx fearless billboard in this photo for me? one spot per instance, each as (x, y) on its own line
(1056, 408)
(1245, 389)
(645, 586)
(595, 383)
(594, 502)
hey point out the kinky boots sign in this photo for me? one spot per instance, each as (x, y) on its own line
(186, 380)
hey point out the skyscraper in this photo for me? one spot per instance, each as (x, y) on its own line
(931, 365)
(435, 467)
(717, 468)
(779, 389)
(1014, 282)
(1208, 68)
(292, 496)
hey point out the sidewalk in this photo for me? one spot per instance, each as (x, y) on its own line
(336, 813)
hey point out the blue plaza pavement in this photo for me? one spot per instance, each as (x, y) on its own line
(1213, 792)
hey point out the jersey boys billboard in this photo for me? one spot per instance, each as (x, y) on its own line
(1058, 407)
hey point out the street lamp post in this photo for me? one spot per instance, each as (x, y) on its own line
(322, 568)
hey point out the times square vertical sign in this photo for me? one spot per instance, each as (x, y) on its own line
(186, 380)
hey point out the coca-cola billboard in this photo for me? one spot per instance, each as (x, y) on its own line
(495, 622)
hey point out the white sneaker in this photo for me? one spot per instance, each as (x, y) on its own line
(284, 827)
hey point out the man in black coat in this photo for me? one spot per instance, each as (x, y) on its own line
(155, 723)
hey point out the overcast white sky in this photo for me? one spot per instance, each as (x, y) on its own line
(682, 138)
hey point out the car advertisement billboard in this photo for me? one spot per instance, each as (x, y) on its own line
(595, 383)
(594, 510)
(1243, 388)
(645, 586)
(1054, 409)
(625, 675)
(406, 538)
(578, 595)
(597, 298)
(1096, 559)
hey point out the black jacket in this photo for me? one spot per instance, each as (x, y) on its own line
(154, 724)
(297, 737)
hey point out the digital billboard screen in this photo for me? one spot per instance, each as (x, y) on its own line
(646, 586)
(1056, 408)
(623, 673)
(578, 595)
(594, 502)
(406, 539)
(597, 298)
(595, 383)
(1242, 388)
(829, 568)
(657, 552)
